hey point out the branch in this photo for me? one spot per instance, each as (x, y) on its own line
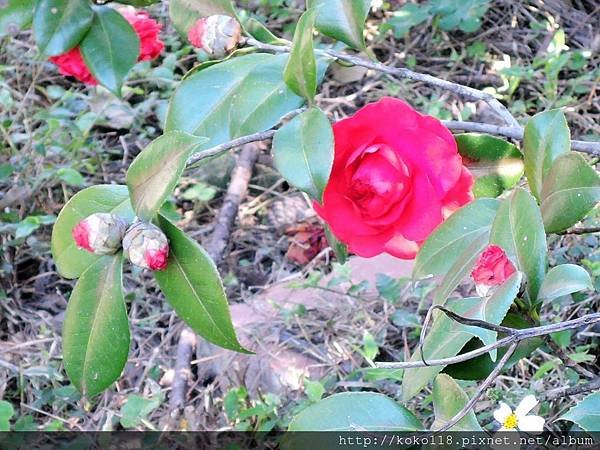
(518, 336)
(581, 230)
(573, 390)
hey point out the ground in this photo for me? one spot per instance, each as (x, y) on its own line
(59, 136)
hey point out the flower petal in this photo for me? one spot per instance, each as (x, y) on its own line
(502, 413)
(526, 405)
(531, 424)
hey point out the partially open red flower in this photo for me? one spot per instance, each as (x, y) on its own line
(72, 63)
(146, 246)
(217, 35)
(100, 233)
(492, 267)
(396, 176)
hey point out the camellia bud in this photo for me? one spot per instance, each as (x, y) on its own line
(491, 269)
(145, 245)
(100, 233)
(218, 35)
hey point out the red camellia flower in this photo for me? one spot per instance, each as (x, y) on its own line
(72, 63)
(146, 246)
(492, 267)
(396, 176)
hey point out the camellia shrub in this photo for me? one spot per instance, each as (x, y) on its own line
(388, 179)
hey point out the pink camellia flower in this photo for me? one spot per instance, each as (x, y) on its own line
(396, 176)
(72, 63)
(218, 35)
(100, 233)
(492, 268)
(145, 245)
(147, 30)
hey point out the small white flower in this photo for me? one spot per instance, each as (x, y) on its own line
(519, 419)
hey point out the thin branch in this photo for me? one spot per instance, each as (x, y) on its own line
(518, 336)
(480, 390)
(573, 390)
(582, 230)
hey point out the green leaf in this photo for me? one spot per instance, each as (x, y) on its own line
(300, 73)
(70, 176)
(343, 20)
(96, 329)
(314, 390)
(239, 96)
(184, 13)
(564, 280)
(447, 337)
(261, 33)
(355, 411)
(155, 172)
(70, 260)
(59, 25)
(136, 409)
(519, 230)
(450, 239)
(586, 413)
(193, 287)
(448, 400)
(303, 152)
(110, 48)
(6, 413)
(15, 16)
(546, 137)
(410, 15)
(340, 250)
(496, 164)
(570, 191)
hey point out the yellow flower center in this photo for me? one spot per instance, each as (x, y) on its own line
(511, 422)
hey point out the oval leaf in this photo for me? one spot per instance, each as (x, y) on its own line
(355, 411)
(193, 287)
(448, 400)
(184, 13)
(447, 337)
(564, 280)
(70, 260)
(300, 73)
(496, 164)
(96, 329)
(15, 16)
(546, 137)
(586, 413)
(450, 239)
(343, 20)
(261, 33)
(110, 48)
(303, 152)
(240, 96)
(519, 230)
(59, 25)
(155, 172)
(570, 191)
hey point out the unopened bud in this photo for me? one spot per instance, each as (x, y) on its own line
(100, 233)
(218, 35)
(145, 245)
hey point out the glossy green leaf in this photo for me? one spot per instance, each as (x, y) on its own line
(96, 329)
(184, 13)
(564, 280)
(6, 413)
(300, 73)
(451, 238)
(447, 337)
(15, 16)
(519, 230)
(546, 137)
(261, 33)
(193, 287)
(110, 48)
(240, 96)
(448, 400)
(155, 172)
(496, 164)
(59, 25)
(355, 411)
(586, 413)
(570, 191)
(343, 20)
(303, 152)
(70, 260)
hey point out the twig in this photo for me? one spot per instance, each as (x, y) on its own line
(518, 336)
(236, 192)
(573, 390)
(582, 230)
(480, 390)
